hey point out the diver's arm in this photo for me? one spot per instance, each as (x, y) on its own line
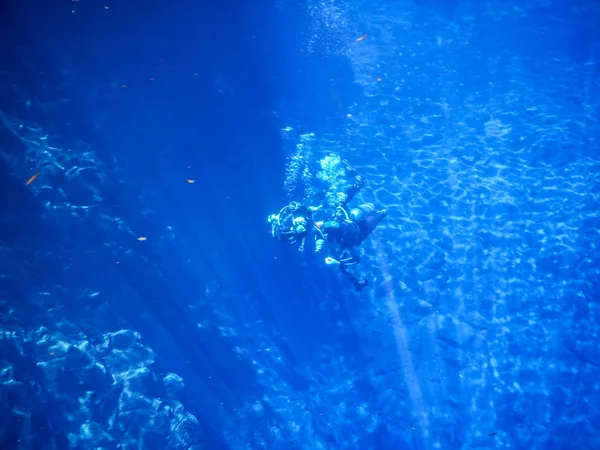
(319, 243)
(318, 237)
(349, 194)
(319, 240)
(315, 235)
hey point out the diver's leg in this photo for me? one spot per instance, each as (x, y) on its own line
(349, 194)
(379, 216)
(370, 219)
(358, 182)
(358, 284)
(349, 167)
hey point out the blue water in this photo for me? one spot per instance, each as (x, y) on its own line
(143, 302)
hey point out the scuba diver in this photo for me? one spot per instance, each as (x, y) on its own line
(294, 223)
(345, 231)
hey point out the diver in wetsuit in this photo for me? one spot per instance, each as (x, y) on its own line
(294, 223)
(345, 232)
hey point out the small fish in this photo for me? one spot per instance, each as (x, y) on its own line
(378, 79)
(32, 179)
(492, 434)
(190, 181)
(142, 238)
(362, 38)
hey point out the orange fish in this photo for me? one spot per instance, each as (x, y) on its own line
(32, 179)
(362, 38)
